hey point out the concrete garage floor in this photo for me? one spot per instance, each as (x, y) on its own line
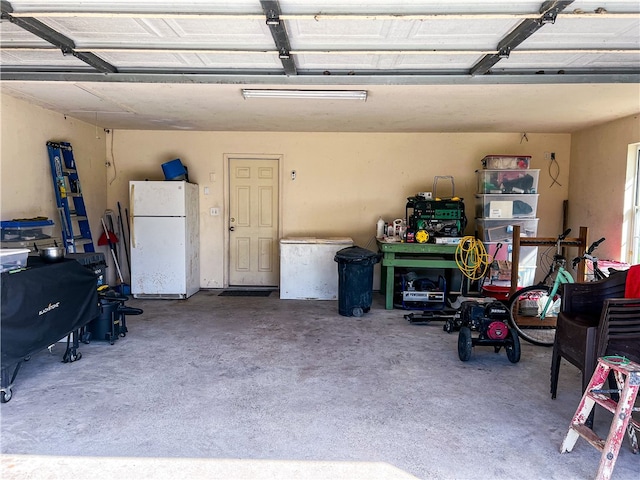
(263, 388)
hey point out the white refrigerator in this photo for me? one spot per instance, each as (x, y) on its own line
(164, 239)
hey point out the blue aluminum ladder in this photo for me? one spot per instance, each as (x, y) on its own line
(76, 231)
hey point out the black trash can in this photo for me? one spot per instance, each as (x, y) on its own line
(355, 280)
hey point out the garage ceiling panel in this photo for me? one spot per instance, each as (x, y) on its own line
(408, 6)
(385, 62)
(157, 60)
(75, 98)
(157, 32)
(131, 60)
(137, 6)
(587, 33)
(12, 34)
(389, 34)
(50, 57)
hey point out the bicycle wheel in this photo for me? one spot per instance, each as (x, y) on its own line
(525, 307)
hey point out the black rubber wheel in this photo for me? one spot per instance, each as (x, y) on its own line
(465, 344)
(357, 312)
(525, 306)
(5, 395)
(513, 347)
(70, 357)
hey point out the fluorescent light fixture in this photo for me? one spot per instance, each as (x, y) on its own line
(319, 94)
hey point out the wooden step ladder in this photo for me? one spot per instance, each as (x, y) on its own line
(76, 231)
(627, 375)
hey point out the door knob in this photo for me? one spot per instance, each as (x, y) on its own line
(232, 228)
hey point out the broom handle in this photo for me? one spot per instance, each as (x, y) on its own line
(115, 260)
(125, 240)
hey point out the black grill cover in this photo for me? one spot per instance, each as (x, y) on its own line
(43, 304)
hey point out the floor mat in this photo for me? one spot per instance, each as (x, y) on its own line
(245, 293)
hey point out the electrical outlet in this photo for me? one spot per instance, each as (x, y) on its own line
(547, 155)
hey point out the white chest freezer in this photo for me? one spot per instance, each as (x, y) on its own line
(307, 268)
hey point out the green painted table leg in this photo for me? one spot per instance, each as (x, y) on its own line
(388, 296)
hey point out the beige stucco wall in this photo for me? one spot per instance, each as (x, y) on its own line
(26, 185)
(598, 181)
(344, 181)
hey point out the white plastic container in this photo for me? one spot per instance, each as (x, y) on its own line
(506, 162)
(13, 258)
(380, 228)
(506, 206)
(307, 267)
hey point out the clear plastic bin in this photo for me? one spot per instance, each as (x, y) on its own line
(13, 258)
(509, 162)
(497, 230)
(16, 230)
(506, 206)
(508, 181)
(528, 255)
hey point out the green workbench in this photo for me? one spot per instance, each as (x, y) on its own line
(412, 255)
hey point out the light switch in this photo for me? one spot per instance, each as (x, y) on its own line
(212, 177)
(206, 190)
(214, 211)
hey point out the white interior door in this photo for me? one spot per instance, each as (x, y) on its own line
(253, 222)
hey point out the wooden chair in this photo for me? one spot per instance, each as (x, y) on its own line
(581, 315)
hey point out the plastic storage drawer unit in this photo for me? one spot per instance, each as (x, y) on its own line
(497, 230)
(506, 206)
(507, 181)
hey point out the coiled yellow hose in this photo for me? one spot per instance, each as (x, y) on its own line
(472, 258)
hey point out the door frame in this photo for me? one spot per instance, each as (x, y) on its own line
(226, 170)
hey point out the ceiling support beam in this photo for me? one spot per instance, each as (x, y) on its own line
(548, 13)
(272, 12)
(223, 51)
(65, 44)
(319, 79)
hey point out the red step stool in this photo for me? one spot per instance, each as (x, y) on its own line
(627, 375)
